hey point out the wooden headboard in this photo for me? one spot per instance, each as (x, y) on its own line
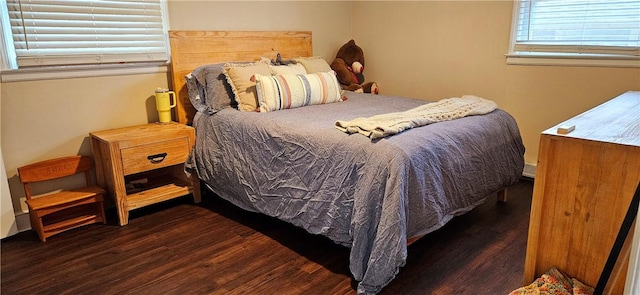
(190, 49)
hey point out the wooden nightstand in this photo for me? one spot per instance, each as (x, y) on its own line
(144, 165)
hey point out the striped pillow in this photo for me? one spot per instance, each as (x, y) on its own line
(292, 91)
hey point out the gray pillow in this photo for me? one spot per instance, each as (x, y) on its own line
(208, 89)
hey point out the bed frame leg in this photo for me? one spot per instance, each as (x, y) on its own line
(502, 195)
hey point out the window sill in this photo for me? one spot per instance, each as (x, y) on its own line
(572, 60)
(71, 72)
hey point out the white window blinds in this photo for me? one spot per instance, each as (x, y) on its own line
(68, 32)
(609, 27)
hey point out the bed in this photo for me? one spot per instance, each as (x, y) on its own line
(374, 196)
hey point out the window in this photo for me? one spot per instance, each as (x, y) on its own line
(577, 29)
(41, 33)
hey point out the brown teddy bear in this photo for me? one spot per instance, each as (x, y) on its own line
(349, 65)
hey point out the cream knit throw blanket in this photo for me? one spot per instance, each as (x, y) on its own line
(392, 123)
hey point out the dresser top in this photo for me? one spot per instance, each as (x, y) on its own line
(615, 121)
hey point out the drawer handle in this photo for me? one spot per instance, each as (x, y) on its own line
(157, 158)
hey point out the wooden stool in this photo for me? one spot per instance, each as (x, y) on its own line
(62, 210)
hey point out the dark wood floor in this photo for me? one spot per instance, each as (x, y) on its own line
(214, 248)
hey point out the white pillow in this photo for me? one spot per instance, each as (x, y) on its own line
(292, 91)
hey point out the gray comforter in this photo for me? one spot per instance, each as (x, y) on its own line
(367, 195)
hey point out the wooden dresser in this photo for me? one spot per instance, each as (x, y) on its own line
(584, 183)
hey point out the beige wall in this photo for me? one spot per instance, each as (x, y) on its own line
(51, 118)
(329, 21)
(439, 49)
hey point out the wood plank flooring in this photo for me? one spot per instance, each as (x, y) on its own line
(215, 248)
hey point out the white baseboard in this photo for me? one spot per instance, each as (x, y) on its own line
(529, 170)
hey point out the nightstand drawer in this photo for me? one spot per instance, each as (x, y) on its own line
(154, 155)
